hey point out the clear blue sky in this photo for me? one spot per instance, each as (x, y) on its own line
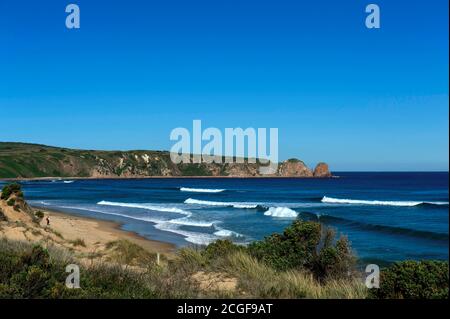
(359, 99)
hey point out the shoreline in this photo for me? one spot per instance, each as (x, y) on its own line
(97, 230)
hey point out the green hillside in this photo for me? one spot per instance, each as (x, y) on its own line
(22, 160)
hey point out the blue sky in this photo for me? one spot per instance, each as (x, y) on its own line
(356, 98)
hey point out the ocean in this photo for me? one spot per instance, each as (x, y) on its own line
(387, 216)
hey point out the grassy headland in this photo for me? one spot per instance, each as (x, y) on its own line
(21, 160)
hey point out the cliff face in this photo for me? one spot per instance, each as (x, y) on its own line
(31, 160)
(294, 168)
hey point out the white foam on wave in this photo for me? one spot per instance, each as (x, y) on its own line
(159, 208)
(190, 236)
(198, 238)
(185, 221)
(222, 204)
(40, 202)
(332, 200)
(200, 190)
(68, 182)
(281, 212)
(221, 232)
(89, 209)
(189, 222)
(172, 225)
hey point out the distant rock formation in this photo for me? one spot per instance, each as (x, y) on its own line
(294, 168)
(322, 170)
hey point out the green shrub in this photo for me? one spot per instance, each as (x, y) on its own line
(413, 280)
(334, 260)
(303, 245)
(32, 273)
(10, 189)
(220, 248)
(39, 214)
(294, 248)
(11, 202)
(37, 257)
(190, 258)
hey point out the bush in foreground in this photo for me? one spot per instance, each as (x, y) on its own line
(413, 280)
(129, 271)
(305, 245)
(220, 248)
(32, 272)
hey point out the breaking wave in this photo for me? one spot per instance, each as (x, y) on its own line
(190, 236)
(281, 212)
(193, 201)
(201, 190)
(188, 222)
(154, 207)
(221, 232)
(332, 200)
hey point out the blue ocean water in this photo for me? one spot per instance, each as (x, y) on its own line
(387, 216)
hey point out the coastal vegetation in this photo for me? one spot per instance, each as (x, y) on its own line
(306, 260)
(11, 189)
(309, 246)
(39, 215)
(427, 279)
(31, 271)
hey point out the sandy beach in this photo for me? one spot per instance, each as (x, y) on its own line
(97, 233)
(82, 235)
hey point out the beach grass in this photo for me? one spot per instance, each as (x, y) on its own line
(173, 279)
(31, 271)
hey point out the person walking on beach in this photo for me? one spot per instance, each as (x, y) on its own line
(48, 221)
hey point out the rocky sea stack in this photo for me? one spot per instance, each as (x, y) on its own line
(296, 168)
(322, 170)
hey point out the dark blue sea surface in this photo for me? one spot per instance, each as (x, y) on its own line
(387, 216)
